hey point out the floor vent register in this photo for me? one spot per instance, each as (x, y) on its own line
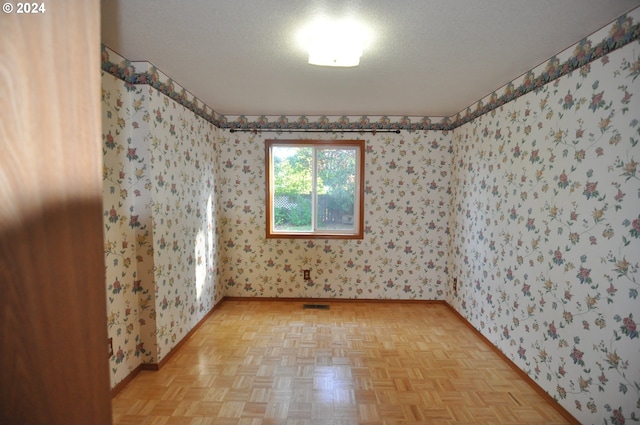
(316, 306)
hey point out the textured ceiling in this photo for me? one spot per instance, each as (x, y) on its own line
(428, 57)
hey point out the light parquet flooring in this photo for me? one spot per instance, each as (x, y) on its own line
(275, 363)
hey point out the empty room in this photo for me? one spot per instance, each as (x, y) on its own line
(321, 212)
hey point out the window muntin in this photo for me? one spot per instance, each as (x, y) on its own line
(314, 189)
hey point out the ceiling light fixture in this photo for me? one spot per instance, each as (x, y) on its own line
(335, 43)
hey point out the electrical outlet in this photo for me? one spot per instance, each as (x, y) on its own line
(110, 347)
(306, 274)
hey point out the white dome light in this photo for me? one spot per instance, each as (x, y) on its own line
(335, 43)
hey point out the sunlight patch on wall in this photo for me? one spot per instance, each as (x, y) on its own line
(210, 246)
(201, 265)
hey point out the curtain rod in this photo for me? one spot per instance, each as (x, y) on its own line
(280, 130)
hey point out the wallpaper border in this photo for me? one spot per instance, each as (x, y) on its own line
(621, 32)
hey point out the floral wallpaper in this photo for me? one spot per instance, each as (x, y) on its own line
(404, 251)
(127, 227)
(184, 209)
(545, 236)
(160, 208)
(529, 198)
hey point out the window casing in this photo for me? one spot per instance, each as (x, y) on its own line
(314, 189)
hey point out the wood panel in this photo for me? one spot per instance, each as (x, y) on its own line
(53, 304)
(274, 362)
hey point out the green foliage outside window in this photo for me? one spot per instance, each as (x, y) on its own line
(293, 183)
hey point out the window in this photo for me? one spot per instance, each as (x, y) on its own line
(315, 189)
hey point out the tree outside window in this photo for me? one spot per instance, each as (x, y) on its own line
(314, 189)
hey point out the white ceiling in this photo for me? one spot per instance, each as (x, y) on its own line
(428, 58)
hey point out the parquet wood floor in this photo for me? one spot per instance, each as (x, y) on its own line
(275, 363)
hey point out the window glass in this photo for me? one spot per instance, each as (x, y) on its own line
(314, 188)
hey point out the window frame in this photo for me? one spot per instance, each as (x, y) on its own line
(358, 233)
